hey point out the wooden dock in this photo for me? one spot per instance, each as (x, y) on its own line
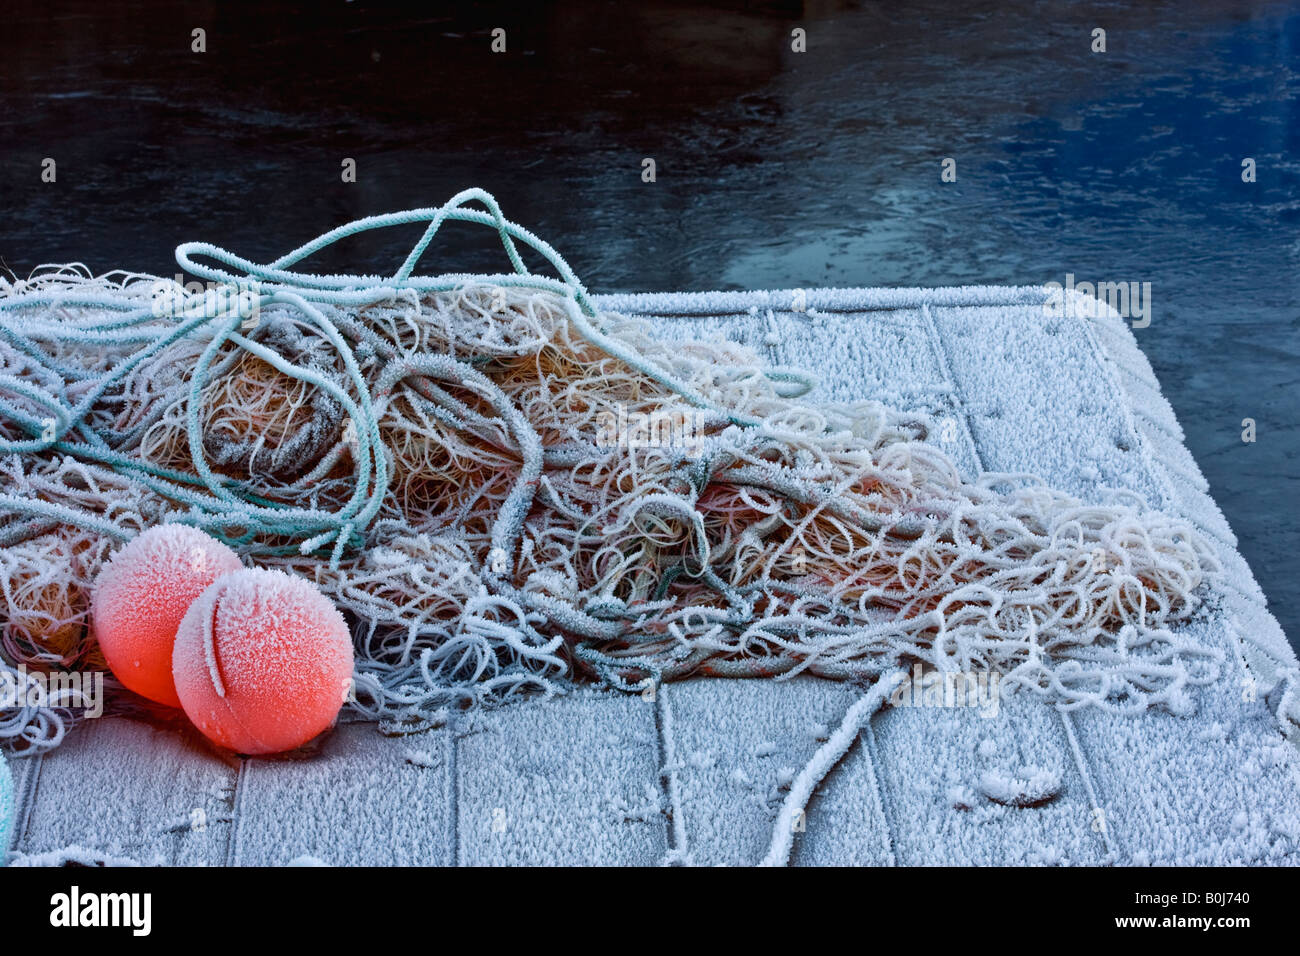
(695, 773)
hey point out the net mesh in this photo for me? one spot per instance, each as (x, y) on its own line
(505, 490)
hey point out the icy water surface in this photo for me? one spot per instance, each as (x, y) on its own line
(774, 169)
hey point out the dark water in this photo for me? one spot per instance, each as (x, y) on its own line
(775, 169)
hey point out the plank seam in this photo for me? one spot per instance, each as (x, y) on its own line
(236, 816)
(451, 788)
(459, 859)
(960, 409)
(680, 850)
(872, 755)
(26, 801)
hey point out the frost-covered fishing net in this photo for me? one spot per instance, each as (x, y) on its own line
(504, 489)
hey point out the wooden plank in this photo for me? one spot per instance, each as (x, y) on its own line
(569, 781)
(13, 781)
(963, 788)
(941, 771)
(1041, 403)
(888, 357)
(1221, 788)
(124, 789)
(361, 799)
(930, 772)
(1217, 790)
(877, 355)
(739, 327)
(738, 743)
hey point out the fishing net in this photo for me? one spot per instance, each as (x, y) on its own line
(506, 490)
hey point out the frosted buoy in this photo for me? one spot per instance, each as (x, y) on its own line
(142, 594)
(263, 662)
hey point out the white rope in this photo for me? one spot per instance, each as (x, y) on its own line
(793, 808)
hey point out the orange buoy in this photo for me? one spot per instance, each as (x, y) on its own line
(263, 662)
(142, 594)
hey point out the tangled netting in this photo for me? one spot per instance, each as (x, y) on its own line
(503, 488)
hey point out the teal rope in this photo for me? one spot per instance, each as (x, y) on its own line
(228, 508)
(353, 290)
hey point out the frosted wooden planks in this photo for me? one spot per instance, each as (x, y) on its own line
(361, 800)
(20, 771)
(740, 327)
(1217, 788)
(569, 781)
(737, 744)
(966, 789)
(1040, 402)
(859, 355)
(127, 790)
